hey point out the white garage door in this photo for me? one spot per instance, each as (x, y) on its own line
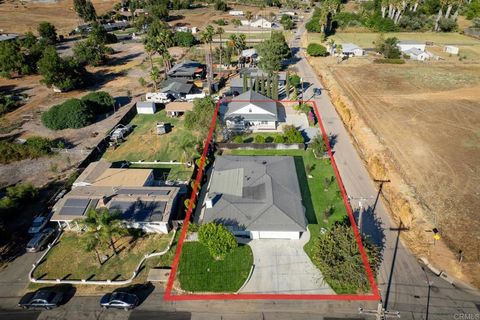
(279, 235)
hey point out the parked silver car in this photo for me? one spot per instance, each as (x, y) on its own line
(38, 224)
(40, 240)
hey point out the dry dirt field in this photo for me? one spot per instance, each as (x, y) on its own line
(20, 17)
(427, 119)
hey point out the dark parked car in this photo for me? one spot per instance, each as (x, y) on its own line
(40, 240)
(119, 300)
(38, 224)
(41, 299)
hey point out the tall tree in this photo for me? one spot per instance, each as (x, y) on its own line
(104, 226)
(269, 86)
(220, 31)
(287, 86)
(275, 87)
(207, 38)
(47, 31)
(85, 10)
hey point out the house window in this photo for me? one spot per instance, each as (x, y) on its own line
(263, 122)
(250, 110)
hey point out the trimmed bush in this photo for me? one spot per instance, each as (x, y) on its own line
(279, 139)
(316, 50)
(99, 102)
(184, 39)
(218, 239)
(238, 139)
(73, 114)
(259, 139)
(35, 147)
(292, 135)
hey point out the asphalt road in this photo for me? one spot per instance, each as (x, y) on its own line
(404, 285)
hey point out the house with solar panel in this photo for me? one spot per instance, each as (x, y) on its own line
(255, 196)
(132, 193)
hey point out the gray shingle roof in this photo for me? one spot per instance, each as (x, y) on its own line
(255, 98)
(270, 200)
(180, 86)
(186, 68)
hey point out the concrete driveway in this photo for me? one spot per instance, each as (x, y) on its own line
(282, 266)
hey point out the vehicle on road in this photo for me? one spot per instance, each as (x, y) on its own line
(38, 224)
(40, 240)
(41, 299)
(119, 300)
(317, 91)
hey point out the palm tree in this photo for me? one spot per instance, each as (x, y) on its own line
(220, 31)
(92, 243)
(207, 38)
(103, 225)
(164, 40)
(331, 45)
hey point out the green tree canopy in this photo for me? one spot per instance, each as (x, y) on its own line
(316, 50)
(388, 48)
(99, 102)
(184, 39)
(200, 118)
(73, 113)
(11, 59)
(273, 51)
(218, 239)
(47, 31)
(85, 10)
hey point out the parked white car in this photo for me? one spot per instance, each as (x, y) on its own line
(38, 224)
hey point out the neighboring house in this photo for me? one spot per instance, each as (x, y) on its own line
(249, 53)
(187, 69)
(407, 45)
(146, 107)
(416, 54)
(176, 87)
(261, 23)
(128, 192)
(235, 13)
(451, 49)
(236, 85)
(195, 30)
(351, 49)
(256, 196)
(251, 110)
(8, 36)
(288, 13)
(176, 109)
(115, 26)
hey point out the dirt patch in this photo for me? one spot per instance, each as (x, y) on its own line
(21, 16)
(417, 124)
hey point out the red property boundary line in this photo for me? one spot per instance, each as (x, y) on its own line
(375, 296)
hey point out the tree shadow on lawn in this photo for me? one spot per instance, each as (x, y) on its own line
(123, 60)
(305, 190)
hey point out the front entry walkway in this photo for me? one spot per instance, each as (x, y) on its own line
(282, 266)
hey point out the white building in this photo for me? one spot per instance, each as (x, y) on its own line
(351, 49)
(261, 23)
(416, 54)
(146, 107)
(451, 49)
(235, 13)
(407, 45)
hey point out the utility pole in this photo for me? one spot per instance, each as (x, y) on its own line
(380, 313)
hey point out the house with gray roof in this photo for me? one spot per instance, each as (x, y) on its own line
(251, 110)
(256, 196)
(351, 49)
(187, 69)
(176, 87)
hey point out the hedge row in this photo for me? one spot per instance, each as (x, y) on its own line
(391, 61)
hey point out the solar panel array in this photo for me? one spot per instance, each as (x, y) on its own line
(140, 211)
(77, 206)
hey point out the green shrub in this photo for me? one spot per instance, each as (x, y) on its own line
(259, 139)
(220, 5)
(17, 196)
(218, 239)
(238, 139)
(447, 24)
(279, 139)
(318, 145)
(33, 148)
(316, 50)
(292, 135)
(99, 102)
(184, 39)
(73, 113)
(295, 80)
(390, 61)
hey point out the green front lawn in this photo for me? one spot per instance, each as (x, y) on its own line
(200, 272)
(68, 259)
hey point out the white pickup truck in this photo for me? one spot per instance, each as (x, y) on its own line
(190, 97)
